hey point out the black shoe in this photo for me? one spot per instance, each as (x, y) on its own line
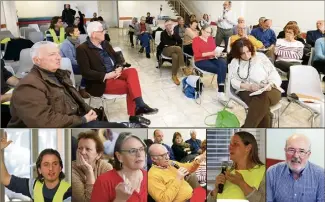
(127, 65)
(139, 120)
(323, 78)
(147, 55)
(132, 45)
(145, 110)
(141, 50)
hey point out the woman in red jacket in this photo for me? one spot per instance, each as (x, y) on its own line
(128, 180)
(207, 59)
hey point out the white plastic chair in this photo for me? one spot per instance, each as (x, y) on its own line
(35, 36)
(305, 80)
(202, 72)
(44, 28)
(10, 69)
(83, 38)
(161, 57)
(24, 31)
(35, 26)
(66, 65)
(25, 63)
(231, 94)
(312, 53)
(228, 46)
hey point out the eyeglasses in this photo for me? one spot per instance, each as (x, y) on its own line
(162, 155)
(102, 32)
(301, 153)
(134, 151)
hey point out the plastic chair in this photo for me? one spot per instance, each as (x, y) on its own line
(25, 62)
(35, 26)
(36, 36)
(83, 38)
(24, 31)
(312, 53)
(44, 28)
(66, 65)
(161, 56)
(231, 94)
(305, 80)
(10, 69)
(200, 71)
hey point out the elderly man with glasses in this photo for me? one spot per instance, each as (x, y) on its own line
(296, 179)
(166, 178)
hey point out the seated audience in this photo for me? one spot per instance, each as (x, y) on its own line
(180, 28)
(201, 172)
(94, 17)
(241, 33)
(190, 19)
(207, 59)
(68, 15)
(68, 50)
(45, 97)
(128, 180)
(171, 47)
(296, 178)
(7, 81)
(195, 143)
(165, 181)
(313, 35)
(289, 51)
(205, 20)
(56, 33)
(149, 19)
(281, 34)
(245, 179)
(143, 31)
(110, 142)
(49, 185)
(319, 56)
(88, 166)
(132, 27)
(180, 148)
(260, 22)
(267, 36)
(80, 22)
(190, 33)
(250, 71)
(102, 69)
(240, 21)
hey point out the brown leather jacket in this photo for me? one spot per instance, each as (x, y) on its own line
(92, 66)
(41, 101)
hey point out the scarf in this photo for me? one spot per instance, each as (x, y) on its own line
(184, 145)
(75, 42)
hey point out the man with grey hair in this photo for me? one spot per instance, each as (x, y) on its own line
(46, 98)
(296, 179)
(260, 22)
(103, 71)
(195, 143)
(240, 21)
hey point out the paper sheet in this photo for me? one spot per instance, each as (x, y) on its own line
(260, 91)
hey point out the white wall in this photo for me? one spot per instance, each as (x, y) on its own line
(168, 134)
(28, 9)
(108, 10)
(3, 19)
(276, 139)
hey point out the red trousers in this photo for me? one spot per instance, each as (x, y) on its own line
(128, 83)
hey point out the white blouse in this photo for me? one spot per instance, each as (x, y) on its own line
(261, 71)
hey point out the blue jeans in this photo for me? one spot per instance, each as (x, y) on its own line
(145, 41)
(76, 71)
(216, 66)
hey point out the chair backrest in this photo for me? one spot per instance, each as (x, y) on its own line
(157, 37)
(35, 26)
(312, 53)
(36, 36)
(44, 28)
(5, 34)
(82, 38)
(305, 80)
(231, 93)
(66, 65)
(228, 46)
(10, 69)
(25, 61)
(24, 31)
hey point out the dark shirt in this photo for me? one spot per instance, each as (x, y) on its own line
(21, 185)
(281, 35)
(195, 145)
(68, 16)
(179, 152)
(267, 37)
(312, 36)
(166, 40)
(49, 37)
(5, 75)
(149, 20)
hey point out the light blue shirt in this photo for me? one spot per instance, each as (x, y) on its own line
(109, 145)
(282, 187)
(319, 49)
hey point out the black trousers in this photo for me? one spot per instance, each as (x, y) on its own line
(319, 65)
(5, 115)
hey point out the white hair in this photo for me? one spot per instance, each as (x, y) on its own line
(93, 27)
(34, 51)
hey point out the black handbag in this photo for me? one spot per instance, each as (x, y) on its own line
(101, 116)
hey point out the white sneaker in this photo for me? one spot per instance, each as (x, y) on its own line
(222, 98)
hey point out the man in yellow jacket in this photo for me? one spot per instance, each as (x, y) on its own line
(49, 185)
(166, 181)
(56, 32)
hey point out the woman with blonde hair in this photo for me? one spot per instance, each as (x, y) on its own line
(88, 166)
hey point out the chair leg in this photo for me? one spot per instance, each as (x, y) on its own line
(103, 104)
(278, 118)
(286, 108)
(212, 78)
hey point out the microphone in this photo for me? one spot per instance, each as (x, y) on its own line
(224, 167)
(174, 164)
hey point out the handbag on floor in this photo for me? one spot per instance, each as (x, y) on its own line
(193, 87)
(224, 119)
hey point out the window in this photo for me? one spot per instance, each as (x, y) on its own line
(218, 141)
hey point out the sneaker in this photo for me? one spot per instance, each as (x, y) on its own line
(175, 79)
(141, 50)
(147, 55)
(132, 45)
(222, 98)
(127, 65)
(84, 93)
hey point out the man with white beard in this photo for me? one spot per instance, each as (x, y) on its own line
(296, 179)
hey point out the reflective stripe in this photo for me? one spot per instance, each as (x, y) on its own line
(38, 191)
(55, 37)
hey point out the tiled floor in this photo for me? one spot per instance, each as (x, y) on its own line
(175, 110)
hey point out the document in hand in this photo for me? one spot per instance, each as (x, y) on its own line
(219, 49)
(260, 91)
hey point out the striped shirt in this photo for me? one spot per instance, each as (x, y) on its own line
(282, 187)
(289, 51)
(201, 173)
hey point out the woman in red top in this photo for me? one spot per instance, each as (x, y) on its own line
(127, 182)
(207, 59)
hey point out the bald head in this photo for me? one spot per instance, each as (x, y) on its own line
(157, 149)
(241, 20)
(320, 25)
(298, 140)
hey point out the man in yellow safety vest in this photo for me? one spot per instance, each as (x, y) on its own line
(49, 186)
(56, 32)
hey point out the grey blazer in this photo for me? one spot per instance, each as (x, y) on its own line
(137, 29)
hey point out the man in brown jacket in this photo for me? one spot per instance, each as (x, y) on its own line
(103, 71)
(46, 97)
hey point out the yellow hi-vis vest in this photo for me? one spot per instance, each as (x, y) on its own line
(55, 38)
(58, 197)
